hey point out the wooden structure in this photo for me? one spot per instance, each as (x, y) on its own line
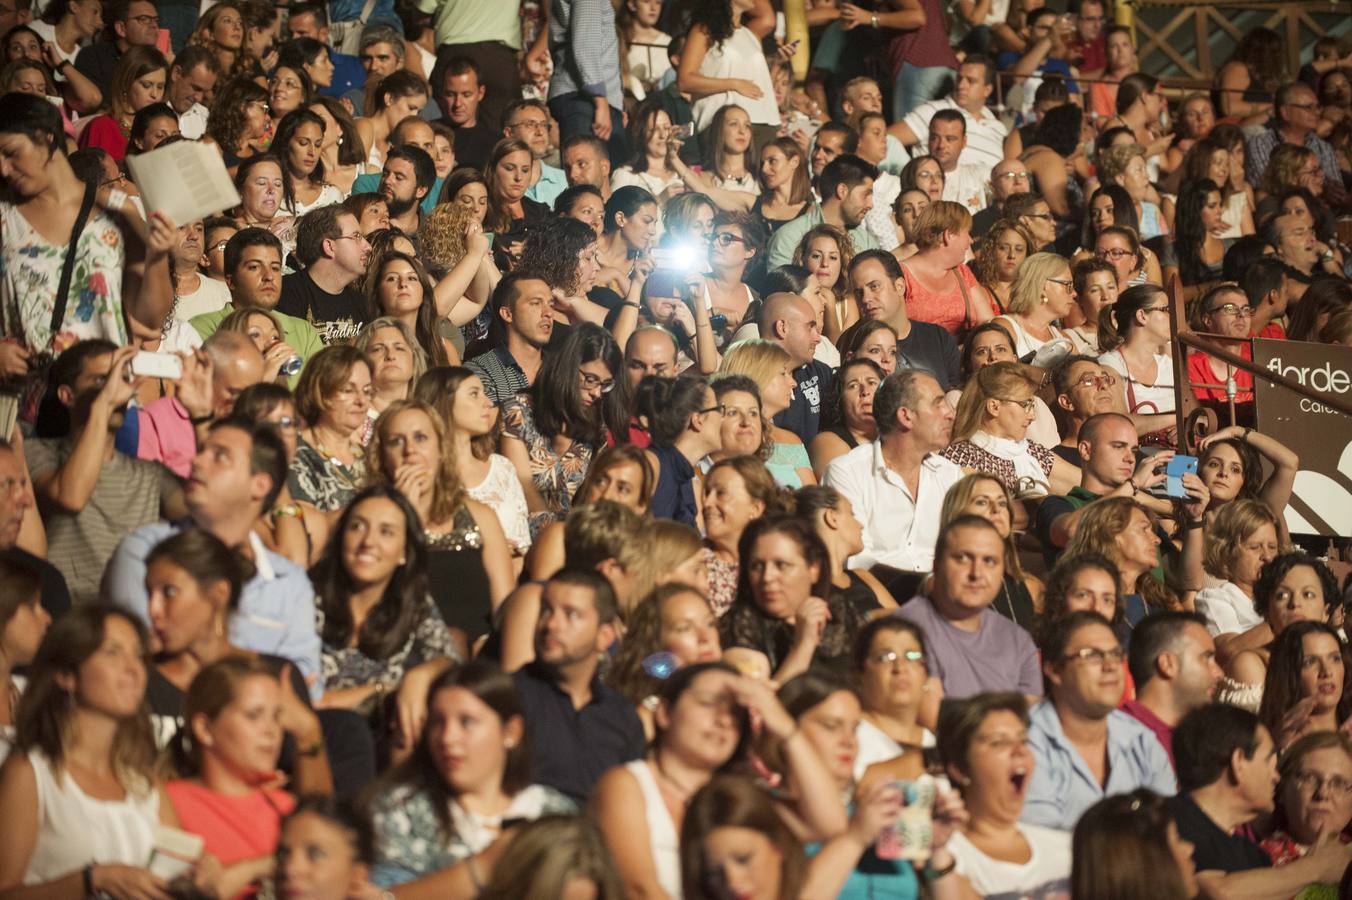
(1185, 39)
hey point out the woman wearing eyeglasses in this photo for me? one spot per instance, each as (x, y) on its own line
(736, 240)
(1225, 314)
(288, 90)
(551, 431)
(1134, 264)
(1042, 295)
(990, 433)
(1314, 796)
(1132, 330)
(899, 696)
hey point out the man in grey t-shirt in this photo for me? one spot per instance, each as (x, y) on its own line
(972, 648)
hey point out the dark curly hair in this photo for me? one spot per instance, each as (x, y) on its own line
(229, 116)
(1061, 576)
(1059, 129)
(714, 15)
(1274, 571)
(551, 253)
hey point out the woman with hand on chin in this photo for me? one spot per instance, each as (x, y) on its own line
(469, 563)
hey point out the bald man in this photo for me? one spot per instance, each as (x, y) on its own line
(790, 321)
(650, 350)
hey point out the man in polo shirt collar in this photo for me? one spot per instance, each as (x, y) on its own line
(985, 132)
(1173, 664)
(897, 483)
(523, 304)
(579, 727)
(1085, 748)
(1227, 776)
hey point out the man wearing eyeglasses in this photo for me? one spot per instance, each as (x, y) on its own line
(334, 254)
(1227, 316)
(1084, 388)
(1008, 177)
(133, 24)
(1084, 747)
(528, 120)
(1297, 116)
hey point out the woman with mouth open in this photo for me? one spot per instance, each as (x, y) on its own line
(1307, 689)
(983, 742)
(703, 728)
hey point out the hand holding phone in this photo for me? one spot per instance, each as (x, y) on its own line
(1177, 467)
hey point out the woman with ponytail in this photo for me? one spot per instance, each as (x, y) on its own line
(685, 420)
(1132, 330)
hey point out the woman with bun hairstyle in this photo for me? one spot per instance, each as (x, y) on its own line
(685, 420)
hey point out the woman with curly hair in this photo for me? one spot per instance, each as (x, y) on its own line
(238, 121)
(1290, 166)
(1246, 81)
(469, 564)
(138, 81)
(998, 257)
(564, 253)
(826, 251)
(723, 64)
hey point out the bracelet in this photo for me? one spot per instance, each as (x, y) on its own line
(936, 874)
(634, 303)
(875, 20)
(1245, 436)
(1194, 524)
(291, 511)
(201, 420)
(313, 749)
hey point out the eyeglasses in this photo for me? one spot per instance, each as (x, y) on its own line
(218, 247)
(1115, 253)
(359, 237)
(1095, 656)
(1232, 309)
(590, 382)
(1064, 282)
(1028, 405)
(1312, 782)
(726, 239)
(286, 423)
(1301, 105)
(532, 124)
(1012, 175)
(144, 20)
(888, 657)
(1096, 381)
(720, 409)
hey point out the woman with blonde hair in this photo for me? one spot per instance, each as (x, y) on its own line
(1042, 295)
(410, 451)
(1020, 597)
(999, 256)
(826, 251)
(990, 432)
(220, 29)
(940, 288)
(1127, 534)
(771, 368)
(1242, 538)
(555, 858)
(396, 361)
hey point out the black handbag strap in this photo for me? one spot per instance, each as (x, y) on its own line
(72, 250)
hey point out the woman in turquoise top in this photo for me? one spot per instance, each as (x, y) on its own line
(770, 366)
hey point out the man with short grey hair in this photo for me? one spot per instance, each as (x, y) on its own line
(897, 483)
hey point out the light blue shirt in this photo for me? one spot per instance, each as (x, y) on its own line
(276, 612)
(552, 183)
(787, 238)
(1062, 787)
(369, 183)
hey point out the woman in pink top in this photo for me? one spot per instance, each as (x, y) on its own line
(940, 289)
(228, 760)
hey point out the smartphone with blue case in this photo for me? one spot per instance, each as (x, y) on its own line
(1176, 468)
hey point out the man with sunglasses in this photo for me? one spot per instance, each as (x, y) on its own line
(133, 24)
(1085, 747)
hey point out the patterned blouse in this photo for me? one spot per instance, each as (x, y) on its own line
(410, 841)
(557, 476)
(321, 480)
(345, 667)
(722, 582)
(747, 625)
(970, 456)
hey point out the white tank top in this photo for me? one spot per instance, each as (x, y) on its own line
(75, 830)
(1024, 342)
(663, 842)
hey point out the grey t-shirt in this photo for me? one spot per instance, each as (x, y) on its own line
(998, 656)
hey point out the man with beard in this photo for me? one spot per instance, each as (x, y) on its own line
(1172, 660)
(585, 162)
(523, 305)
(91, 495)
(333, 254)
(846, 188)
(411, 131)
(408, 177)
(579, 727)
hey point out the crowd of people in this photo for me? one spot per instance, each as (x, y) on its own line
(592, 463)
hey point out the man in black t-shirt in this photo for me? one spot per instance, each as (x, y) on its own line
(1227, 775)
(334, 252)
(459, 87)
(880, 291)
(788, 320)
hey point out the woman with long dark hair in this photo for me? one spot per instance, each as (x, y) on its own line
(855, 384)
(398, 95)
(1131, 332)
(1245, 83)
(785, 182)
(551, 431)
(1128, 846)
(685, 421)
(138, 81)
(298, 143)
(469, 774)
(650, 169)
(1308, 688)
(239, 119)
(630, 231)
(23, 622)
(1197, 243)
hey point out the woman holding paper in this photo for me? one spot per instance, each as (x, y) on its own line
(121, 264)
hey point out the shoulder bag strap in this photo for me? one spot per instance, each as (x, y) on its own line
(68, 267)
(366, 10)
(966, 300)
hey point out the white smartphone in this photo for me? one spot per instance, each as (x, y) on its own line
(156, 365)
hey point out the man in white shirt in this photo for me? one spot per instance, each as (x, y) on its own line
(897, 483)
(192, 78)
(965, 184)
(985, 132)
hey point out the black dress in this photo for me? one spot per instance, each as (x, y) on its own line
(746, 625)
(1015, 603)
(456, 576)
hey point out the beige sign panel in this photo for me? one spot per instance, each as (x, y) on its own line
(1322, 501)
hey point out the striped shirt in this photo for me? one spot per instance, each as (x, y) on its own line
(586, 50)
(985, 136)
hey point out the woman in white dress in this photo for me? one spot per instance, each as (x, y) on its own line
(723, 63)
(79, 795)
(1139, 329)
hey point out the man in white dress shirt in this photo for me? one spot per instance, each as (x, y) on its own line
(897, 483)
(985, 132)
